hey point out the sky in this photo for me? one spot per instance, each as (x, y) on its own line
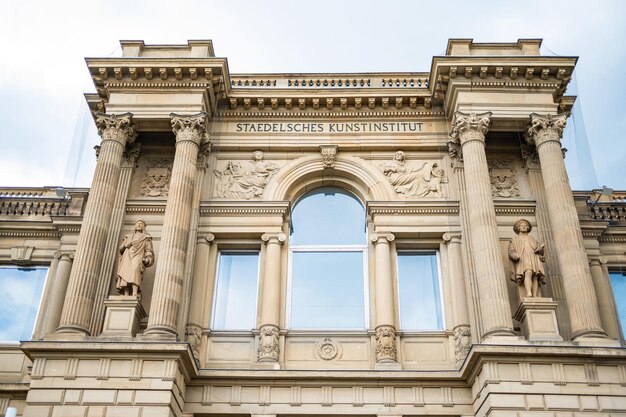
(46, 135)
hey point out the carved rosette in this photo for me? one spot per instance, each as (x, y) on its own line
(386, 350)
(118, 128)
(546, 128)
(327, 349)
(190, 128)
(462, 343)
(268, 344)
(329, 154)
(194, 337)
(470, 127)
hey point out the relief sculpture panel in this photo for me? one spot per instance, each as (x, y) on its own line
(156, 180)
(503, 181)
(244, 180)
(418, 179)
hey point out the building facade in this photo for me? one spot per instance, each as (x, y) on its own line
(308, 244)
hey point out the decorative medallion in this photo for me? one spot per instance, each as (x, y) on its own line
(327, 349)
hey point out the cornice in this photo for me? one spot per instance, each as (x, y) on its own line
(422, 208)
(325, 115)
(515, 207)
(244, 208)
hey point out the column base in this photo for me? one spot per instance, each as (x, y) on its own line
(537, 316)
(122, 316)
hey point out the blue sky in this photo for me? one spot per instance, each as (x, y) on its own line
(46, 135)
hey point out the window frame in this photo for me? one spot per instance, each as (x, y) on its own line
(442, 303)
(307, 248)
(216, 284)
(621, 321)
(39, 305)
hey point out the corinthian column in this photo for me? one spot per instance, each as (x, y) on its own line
(116, 132)
(190, 132)
(469, 130)
(270, 302)
(386, 350)
(545, 133)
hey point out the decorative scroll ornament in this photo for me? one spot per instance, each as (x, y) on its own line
(546, 128)
(386, 344)
(156, 181)
(462, 343)
(327, 349)
(245, 182)
(503, 181)
(468, 127)
(194, 337)
(118, 128)
(268, 344)
(329, 153)
(422, 179)
(190, 128)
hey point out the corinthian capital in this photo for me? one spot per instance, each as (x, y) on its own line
(116, 127)
(192, 128)
(545, 128)
(469, 127)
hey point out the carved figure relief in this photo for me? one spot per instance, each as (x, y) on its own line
(386, 344)
(503, 181)
(136, 255)
(422, 179)
(156, 181)
(527, 258)
(462, 343)
(327, 349)
(245, 181)
(268, 344)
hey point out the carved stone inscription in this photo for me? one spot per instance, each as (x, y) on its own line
(245, 181)
(156, 181)
(503, 181)
(420, 179)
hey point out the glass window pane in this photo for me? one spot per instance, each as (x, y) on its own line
(328, 216)
(618, 281)
(236, 293)
(420, 302)
(327, 290)
(19, 301)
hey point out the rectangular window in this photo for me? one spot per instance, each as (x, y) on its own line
(20, 298)
(236, 291)
(419, 293)
(618, 282)
(327, 290)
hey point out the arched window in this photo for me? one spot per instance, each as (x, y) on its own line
(327, 262)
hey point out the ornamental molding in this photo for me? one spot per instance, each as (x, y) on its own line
(163, 85)
(44, 235)
(515, 207)
(400, 208)
(330, 115)
(244, 208)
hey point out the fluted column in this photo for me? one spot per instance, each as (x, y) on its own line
(268, 350)
(190, 132)
(460, 312)
(469, 130)
(385, 324)
(57, 292)
(545, 133)
(604, 292)
(116, 131)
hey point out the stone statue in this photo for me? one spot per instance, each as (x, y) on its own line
(422, 179)
(237, 181)
(527, 258)
(137, 255)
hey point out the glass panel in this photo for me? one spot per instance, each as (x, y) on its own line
(420, 302)
(618, 281)
(19, 301)
(236, 294)
(327, 290)
(328, 216)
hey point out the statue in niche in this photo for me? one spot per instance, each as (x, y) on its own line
(237, 181)
(420, 180)
(527, 258)
(156, 181)
(137, 255)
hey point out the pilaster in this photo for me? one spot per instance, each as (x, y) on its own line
(385, 331)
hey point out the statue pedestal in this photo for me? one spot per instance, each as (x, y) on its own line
(537, 315)
(122, 317)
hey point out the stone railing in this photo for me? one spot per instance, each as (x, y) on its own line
(48, 201)
(608, 206)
